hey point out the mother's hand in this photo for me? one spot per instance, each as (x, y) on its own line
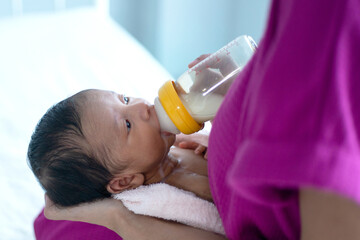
(103, 212)
(219, 67)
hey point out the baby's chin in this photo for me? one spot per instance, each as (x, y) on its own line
(168, 137)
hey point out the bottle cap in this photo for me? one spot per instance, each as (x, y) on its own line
(165, 122)
(176, 110)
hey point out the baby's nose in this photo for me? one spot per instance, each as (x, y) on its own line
(144, 111)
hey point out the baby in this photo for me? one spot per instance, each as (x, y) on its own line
(97, 143)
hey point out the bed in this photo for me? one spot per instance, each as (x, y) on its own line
(45, 58)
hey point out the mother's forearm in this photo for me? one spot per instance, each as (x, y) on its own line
(135, 226)
(114, 215)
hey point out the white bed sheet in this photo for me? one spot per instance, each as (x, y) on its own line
(44, 59)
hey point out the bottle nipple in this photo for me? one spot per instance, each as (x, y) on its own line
(165, 122)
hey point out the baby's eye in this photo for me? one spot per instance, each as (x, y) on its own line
(126, 100)
(128, 124)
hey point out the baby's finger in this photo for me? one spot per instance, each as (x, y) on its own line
(200, 149)
(182, 138)
(205, 155)
(188, 145)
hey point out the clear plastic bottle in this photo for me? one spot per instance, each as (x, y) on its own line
(195, 97)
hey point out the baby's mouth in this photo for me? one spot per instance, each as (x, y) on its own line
(162, 132)
(166, 133)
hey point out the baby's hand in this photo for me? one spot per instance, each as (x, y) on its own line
(197, 141)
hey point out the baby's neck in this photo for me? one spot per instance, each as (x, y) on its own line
(162, 171)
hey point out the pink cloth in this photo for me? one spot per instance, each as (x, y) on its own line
(167, 202)
(291, 119)
(55, 230)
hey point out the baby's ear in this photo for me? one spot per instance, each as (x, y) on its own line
(122, 182)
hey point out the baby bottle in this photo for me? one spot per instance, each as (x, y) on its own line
(194, 98)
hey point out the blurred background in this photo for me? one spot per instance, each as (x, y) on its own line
(174, 31)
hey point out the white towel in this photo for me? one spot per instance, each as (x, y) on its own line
(167, 202)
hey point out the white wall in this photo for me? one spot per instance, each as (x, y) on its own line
(178, 31)
(11, 8)
(174, 31)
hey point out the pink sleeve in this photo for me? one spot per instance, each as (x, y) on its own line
(49, 230)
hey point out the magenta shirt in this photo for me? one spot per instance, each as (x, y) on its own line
(291, 119)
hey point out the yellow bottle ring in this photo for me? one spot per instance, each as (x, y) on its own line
(176, 110)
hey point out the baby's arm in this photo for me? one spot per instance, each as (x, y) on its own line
(195, 183)
(190, 174)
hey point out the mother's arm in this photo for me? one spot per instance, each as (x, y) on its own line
(328, 216)
(114, 215)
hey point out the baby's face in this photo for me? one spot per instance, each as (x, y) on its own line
(128, 128)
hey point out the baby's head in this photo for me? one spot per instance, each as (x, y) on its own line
(96, 143)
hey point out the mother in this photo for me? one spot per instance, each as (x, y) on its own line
(284, 158)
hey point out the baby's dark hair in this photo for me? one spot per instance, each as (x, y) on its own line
(61, 158)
